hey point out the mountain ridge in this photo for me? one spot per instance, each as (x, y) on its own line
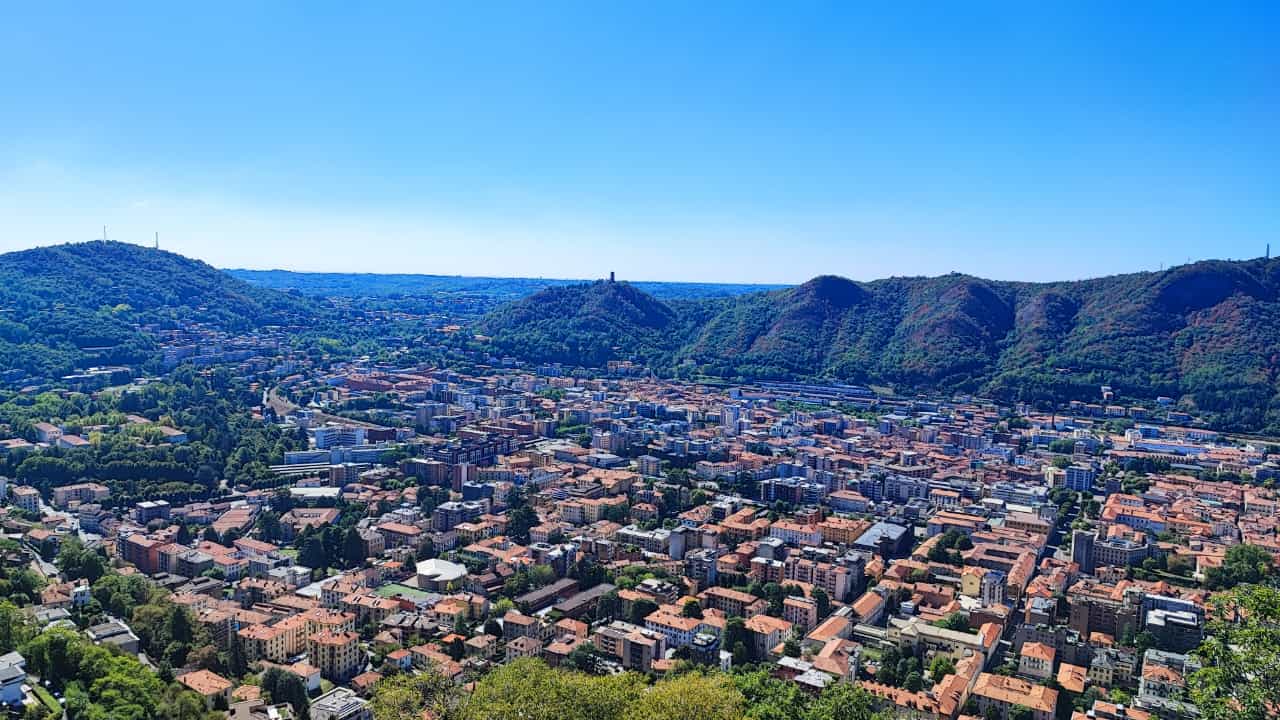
(1206, 334)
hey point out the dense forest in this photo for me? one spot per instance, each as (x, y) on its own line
(1205, 334)
(68, 307)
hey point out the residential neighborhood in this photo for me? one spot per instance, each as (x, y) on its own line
(950, 556)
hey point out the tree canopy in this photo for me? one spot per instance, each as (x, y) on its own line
(1240, 674)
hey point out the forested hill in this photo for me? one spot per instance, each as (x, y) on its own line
(1205, 334)
(66, 306)
(590, 324)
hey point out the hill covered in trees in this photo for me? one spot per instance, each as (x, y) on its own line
(590, 324)
(1205, 334)
(69, 306)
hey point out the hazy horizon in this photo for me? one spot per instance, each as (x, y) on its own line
(709, 143)
(622, 277)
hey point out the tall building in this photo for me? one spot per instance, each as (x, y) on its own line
(1080, 478)
(1082, 549)
(730, 415)
(336, 654)
(27, 498)
(993, 588)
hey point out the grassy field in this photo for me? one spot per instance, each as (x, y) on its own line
(394, 589)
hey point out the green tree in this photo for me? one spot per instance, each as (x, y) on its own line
(528, 689)
(582, 657)
(640, 609)
(15, 627)
(541, 575)
(456, 649)
(1239, 678)
(1244, 563)
(822, 600)
(691, 609)
(119, 594)
(520, 517)
(608, 605)
(286, 687)
(692, 696)
(352, 548)
(769, 698)
(313, 554)
(941, 666)
(955, 621)
(77, 562)
(268, 526)
(841, 701)
(405, 697)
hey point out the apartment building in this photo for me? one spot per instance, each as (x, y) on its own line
(337, 654)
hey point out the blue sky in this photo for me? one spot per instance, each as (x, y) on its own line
(743, 141)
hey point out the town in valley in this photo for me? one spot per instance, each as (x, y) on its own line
(946, 555)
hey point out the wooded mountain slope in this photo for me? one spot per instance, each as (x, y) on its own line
(1206, 334)
(67, 306)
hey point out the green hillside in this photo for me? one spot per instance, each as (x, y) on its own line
(588, 324)
(69, 306)
(1206, 334)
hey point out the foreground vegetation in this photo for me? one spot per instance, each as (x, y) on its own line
(529, 690)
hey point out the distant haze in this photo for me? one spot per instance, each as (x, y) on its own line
(701, 142)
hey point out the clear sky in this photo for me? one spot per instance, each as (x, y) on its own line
(743, 141)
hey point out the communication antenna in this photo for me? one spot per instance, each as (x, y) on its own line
(1268, 251)
(157, 239)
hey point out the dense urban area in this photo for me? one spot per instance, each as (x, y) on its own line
(263, 504)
